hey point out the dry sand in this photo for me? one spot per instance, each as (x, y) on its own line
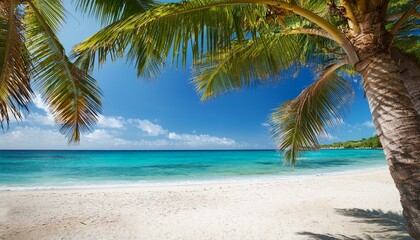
(349, 206)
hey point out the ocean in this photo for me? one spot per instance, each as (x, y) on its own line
(30, 169)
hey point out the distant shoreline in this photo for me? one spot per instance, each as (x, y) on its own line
(343, 148)
(172, 150)
(140, 150)
(365, 143)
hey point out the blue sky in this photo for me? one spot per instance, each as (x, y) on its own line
(166, 113)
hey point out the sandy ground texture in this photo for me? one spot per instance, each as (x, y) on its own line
(349, 206)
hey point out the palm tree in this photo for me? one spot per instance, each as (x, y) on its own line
(32, 56)
(236, 43)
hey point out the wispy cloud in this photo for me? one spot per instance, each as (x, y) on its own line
(151, 129)
(339, 121)
(111, 133)
(327, 136)
(32, 138)
(39, 103)
(368, 124)
(104, 139)
(201, 140)
(265, 124)
(43, 119)
(110, 122)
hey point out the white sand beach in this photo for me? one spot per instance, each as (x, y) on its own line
(356, 206)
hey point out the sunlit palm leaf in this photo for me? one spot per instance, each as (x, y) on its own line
(143, 57)
(110, 11)
(202, 25)
(73, 96)
(15, 90)
(399, 6)
(171, 28)
(298, 122)
(52, 11)
(408, 39)
(409, 44)
(255, 59)
(266, 57)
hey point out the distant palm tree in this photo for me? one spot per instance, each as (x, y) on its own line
(31, 55)
(236, 43)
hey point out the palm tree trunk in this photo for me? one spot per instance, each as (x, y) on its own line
(398, 127)
(410, 71)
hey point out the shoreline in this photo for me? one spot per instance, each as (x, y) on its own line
(362, 205)
(195, 182)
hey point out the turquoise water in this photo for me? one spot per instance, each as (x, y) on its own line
(66, 169)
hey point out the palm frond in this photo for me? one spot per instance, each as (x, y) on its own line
(400, 6)
(198, 26)
(407, 39)
(52, 11)
(111, 11)
(72, 95)
(320, 7)
(409, 44)
(298, 122)
(193, 24)
(15, 90)
(396, 27)
(245, 62)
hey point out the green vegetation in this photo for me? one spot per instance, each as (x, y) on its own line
(233, 44)
(372, 142)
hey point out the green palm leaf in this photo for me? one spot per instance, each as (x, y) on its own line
(52, 12)
(201, 25)
(73, 96)
(408, 39)
(192, 24)
(298, 122)
(244, 62)
(111, 11)
(15, 91)
(409, 44)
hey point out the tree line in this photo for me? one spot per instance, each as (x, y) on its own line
(372, 142)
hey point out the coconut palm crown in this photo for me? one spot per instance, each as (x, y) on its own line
(32, 57)
(237, 43)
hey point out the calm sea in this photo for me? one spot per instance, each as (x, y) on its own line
(77, 169)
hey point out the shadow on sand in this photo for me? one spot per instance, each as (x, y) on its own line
(391, 226)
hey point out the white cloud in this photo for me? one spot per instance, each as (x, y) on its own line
(46, 119)
(201, 140)
(111, 134)
(98, 135)
(39, 103)
(265, 124)
(32, 138)
(101, 138)
(368, 124)
(328, 136)
(38, 138)
(41, 119)
(339, 121)
(110, 122)
(151, 129)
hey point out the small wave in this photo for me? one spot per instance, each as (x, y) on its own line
(145, 183)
